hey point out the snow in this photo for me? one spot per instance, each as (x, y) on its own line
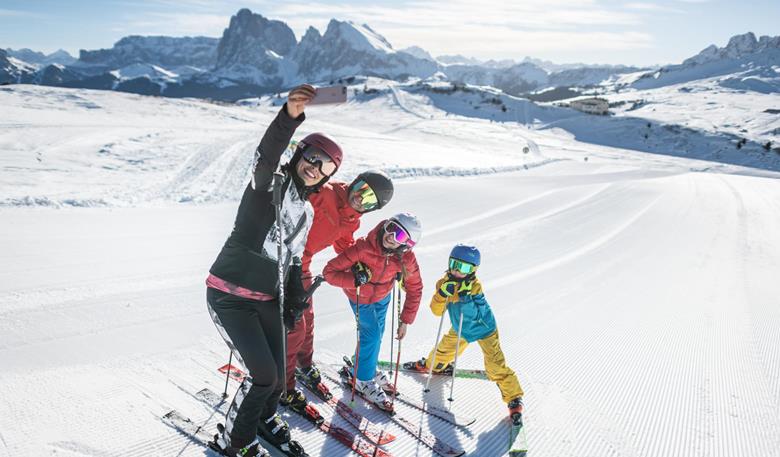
(153, 72)
(636, 295)
(706, 106)
(362, 38)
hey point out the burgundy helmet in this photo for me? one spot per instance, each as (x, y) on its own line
(325, 144)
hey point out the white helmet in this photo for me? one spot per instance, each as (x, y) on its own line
(411, 224)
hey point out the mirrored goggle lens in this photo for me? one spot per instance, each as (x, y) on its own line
(320, 159)
(368, 199)
(399, 234)
(461, 266)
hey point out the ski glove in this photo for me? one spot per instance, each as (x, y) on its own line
(292, 314)
(362, 274)
(450, 288)
(294, 291)
(295, 301)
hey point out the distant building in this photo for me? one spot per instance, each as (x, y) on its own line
(592, 105)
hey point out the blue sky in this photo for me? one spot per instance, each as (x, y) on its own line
(590, 31)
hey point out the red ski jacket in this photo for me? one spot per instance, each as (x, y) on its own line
(334, 224)
(383, 267)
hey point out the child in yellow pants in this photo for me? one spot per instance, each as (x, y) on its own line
(460, 293)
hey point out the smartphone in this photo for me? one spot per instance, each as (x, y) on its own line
(329, 94)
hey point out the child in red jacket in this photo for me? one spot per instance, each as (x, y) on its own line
(366, 272)
(338, 207)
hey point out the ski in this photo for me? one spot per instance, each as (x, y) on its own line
(215, 401)
(196, 433)
(460, 373)
(433, 410)
(518, 443)
(349, 439)
(437, 445)
(372, 431)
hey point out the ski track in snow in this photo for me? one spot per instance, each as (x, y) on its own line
(636, 299)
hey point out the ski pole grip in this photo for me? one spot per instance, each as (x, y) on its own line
(318, 280)
(277, 188)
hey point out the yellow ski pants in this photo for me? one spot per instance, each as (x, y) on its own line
(495, 363)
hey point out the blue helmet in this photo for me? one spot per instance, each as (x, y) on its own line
(468, 254)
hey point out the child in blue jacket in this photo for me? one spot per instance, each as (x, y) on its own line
(460, 293)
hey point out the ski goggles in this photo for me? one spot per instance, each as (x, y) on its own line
(323, 161)
(368, 199)
(400, 235)
(461, 266)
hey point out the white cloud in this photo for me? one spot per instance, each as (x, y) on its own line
(652, 7)
(489, 29)
(176, 24)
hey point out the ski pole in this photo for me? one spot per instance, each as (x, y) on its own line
(398, 310)
(227, 373)
(433, 359)
(357, 351)
(392, 326)
(455, 364)
(314, 285)
(277, 202)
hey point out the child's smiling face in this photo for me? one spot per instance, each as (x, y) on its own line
(388, 240)
(457, 274)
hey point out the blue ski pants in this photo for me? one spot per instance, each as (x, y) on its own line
(372, 326)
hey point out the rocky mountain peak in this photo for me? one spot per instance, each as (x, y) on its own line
(249, 36)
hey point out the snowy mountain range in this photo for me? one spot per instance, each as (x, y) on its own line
(257, 55)
(746, 62)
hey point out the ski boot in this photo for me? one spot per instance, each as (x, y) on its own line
(277, 433)
(296, 401)
(419, 366)
(253, 449)
(369, 390)
(516, 411)
(416, 365)
(312, 379)
(383, 381)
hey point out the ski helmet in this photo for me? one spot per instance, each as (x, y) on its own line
(410, 223)
(468, 254)
(379, 182)
(325, 144)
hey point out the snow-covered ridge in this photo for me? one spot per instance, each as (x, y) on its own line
(739, 46)
(163, 51)
(745, 63)
(148, 150)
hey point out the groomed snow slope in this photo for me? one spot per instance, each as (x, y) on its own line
(636, 299)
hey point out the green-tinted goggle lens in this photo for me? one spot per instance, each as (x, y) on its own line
(368, 199)
(461, 266)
